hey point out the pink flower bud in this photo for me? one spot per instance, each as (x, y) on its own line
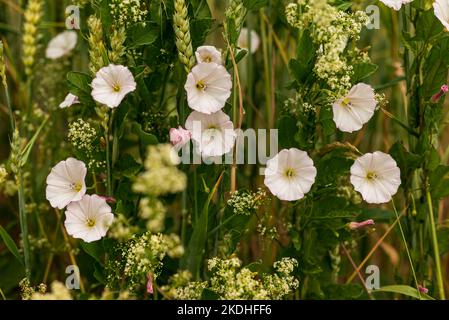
(358, 225)
(180, 136)
(109, 199)
(436, 97)
(150, 283)
(423, 289)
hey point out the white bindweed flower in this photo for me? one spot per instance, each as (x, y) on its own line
(290, 174)
(208, 54)
(112, 84)
(254, 40)
(69, 100)
(213, 134)
(65, 183)
(88, 219)
(61, 45)
(395, 4)
(376, 176)
(355, 109)
(208, 87)
(441, 10)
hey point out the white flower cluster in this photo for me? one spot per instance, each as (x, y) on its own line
(121, 229)
(58, 292)
(82, 135)
(161, 175)
(245, 202)
(153, 211)
(331, 29)
(175, 249)
(143, 256)
(180, 287)
(128, 11)
(232, 282)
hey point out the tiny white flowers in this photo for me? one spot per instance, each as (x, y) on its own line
(208, 87)
(61, 45)
(254, 40)
(441, 10)
(213, 134)
(112, 84)
(356, 109)
(69, 100)
(65, 183)
(376, 176)
(88, 219)
(395, 4)
(208, 54)
(290, 174)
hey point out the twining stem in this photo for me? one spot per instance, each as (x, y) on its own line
(373, 249)
(357, 271)
(406, 247)
(24, 225)
(436, 250)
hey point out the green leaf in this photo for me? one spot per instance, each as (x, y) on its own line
(26, 151)
(405, 290)
(208, 294)
(287, 129)
(99, 273)
(200, 29)
(192, 260)
(94, 249)
(128, 166)
(406, 161)
(428, 26)
(439, 182)
(142, 35)
(363, 71)
(301, 68)
(79, 84)
(255, 4)
(326, 120)
(10, 244)
(146, 139)
(436, 66)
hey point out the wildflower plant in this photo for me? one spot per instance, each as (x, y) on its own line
(121, 149)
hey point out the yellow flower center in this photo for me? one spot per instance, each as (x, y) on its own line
(116, 88)
(207, 59)
(77, 186)
(371, 176)
(290, 173)
(345, 101)
(200, 85)
(90, 223)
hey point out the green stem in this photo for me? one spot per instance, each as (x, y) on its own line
(266, 64)
(24, 225)
(406, 248)
(436, 250)
(108, 157)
